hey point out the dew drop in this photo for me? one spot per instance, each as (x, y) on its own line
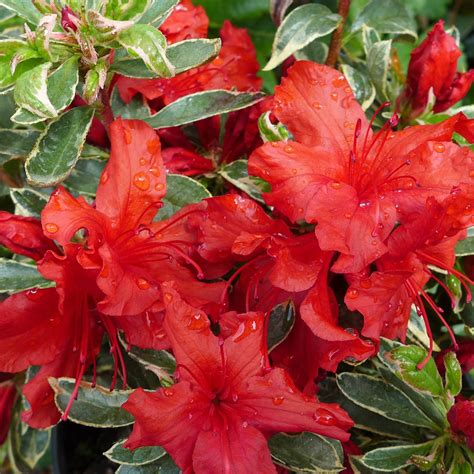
(324, 417)
(51, 228)
(168, 297)
(339, 81)
(288, 149)
(364, 203)
(142, 161)
(439, 147)
(190, 416)
(197, 322)
(347, 215)
(104, 178)
(169, 392)
(294, 171)
(352, 293)
(155, 171)
(245, 424)
(471, 174)
(153, 146)
(33, 294)
(235, 398)
(347, 89)
(278, 400)
(334, 96)
(366, 283)
(300, 210)
(336, 185)
(317, 106)
(332, 354)
(142, 284)
(141, 181)
(105, 271)
(313, 82)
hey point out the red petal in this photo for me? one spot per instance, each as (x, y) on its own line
(144, 330)
(134, 180)
(162, 419)
(23, 235)
(317, 105)
(456, 92)
(239, 450)
(31, 329)
(7, 399)
(186, 162)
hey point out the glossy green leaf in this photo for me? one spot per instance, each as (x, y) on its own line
(24, 9)
(300, 27)
(97, 406)
(84, 178)
(378, 65)
(427, 379)
(237, 174)
(282, 320)
(28, 202)
(369, 37)
(148, 44)
(120, 455)
(241, 10)
(183, 56)
(31, 92)
(59, 147)
(164, 465)
(466, 247)
(316, 51)
(16, 276)
(389, 16)
(395, 457)
(360, 83)
(180, 191)
(17, 143)
(201, 105)
(62, 83)
(453, 375)
(271, 132)
(125, 9)
(25, 117)
(307, 452)
(158, 11)
(31, 444)
(375, 394)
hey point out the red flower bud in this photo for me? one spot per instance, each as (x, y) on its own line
(461, 419)
(433, 65)
(68, 19)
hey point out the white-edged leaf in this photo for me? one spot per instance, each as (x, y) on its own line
(16, 276)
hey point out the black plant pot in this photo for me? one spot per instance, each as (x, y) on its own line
(77, 449)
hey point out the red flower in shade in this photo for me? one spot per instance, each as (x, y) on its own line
(433, 66)
(132, 253)
(461, 419)
(422, 240)
(352, 183)
(7, 400)
(217, 416)
(185, 22)
(281, 266)
(464, 354)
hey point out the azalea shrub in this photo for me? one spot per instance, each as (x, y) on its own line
(236, 236)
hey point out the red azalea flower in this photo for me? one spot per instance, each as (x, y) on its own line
(185, 22)
(461, 419)
(433, 66)
(133, 253)
(464, 354)
(226, 402)
(352, 183)
(7, 400)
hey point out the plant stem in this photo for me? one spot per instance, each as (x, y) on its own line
(336, 40)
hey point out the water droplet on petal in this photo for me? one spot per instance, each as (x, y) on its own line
(365, 203)
(336, 185)
(142, 284)
(366, 283)
(339, 81)
(159, 187)
(127, 135)
(439, 147)
(471, 174)
(105, 272)
(168, 297)
(153, 146)
(169, 392)
(34, 294)
(294, 171)
(197, 321)
(143, 161)
(288, 149)
(324, 417)
(104, 177)
(352, 293)
(245, 424)
(278, 400)
(235, 398)
(317, 106)
(334, 96)
(155, 171)
(141, 181)
(51, 228)
(190, 416)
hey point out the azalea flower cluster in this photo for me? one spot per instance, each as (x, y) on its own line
(354, 225)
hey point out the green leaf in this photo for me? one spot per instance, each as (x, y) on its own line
(31, 444)
(201, 105)
(59, 147)
(282, 320)
(17, 143)
(378, 64)
(363, 88)
(183, 56)
(16, 276)
(427, 380)
(302, 26)
(125, 9)
(389, 16)
(28, 202)
(25, 117)
(62, 84)
(316, 51)
(120, 455)
(23, 8)
(158, 11)
(307, 452)
(98, 407)
(31, 92)
(466, 247)
(180, 191)
(237, 174)
(164, 465)
(453, 376)
(369, 37)
(271, 132)
(378, 396)
(148, 44)
(84, 178)
(395, 457)
(219, 10)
